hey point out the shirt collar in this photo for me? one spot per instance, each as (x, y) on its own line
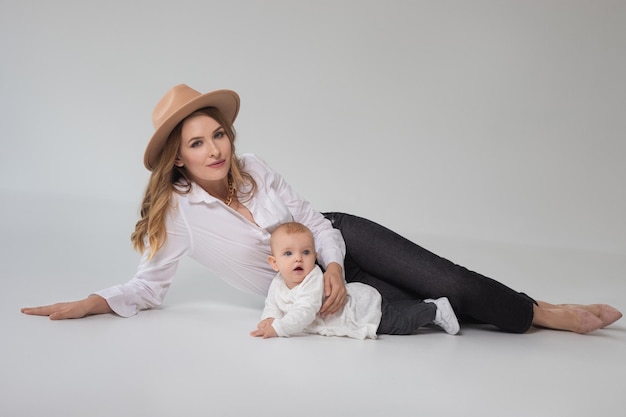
(197, 194)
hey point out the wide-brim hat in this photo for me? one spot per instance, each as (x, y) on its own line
(178, 103)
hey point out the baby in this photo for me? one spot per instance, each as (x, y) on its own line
(297, 292)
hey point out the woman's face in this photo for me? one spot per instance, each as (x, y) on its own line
(205, 150)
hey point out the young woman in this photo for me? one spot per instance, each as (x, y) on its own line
(206, 202)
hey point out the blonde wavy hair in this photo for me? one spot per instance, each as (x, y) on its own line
(167, 179)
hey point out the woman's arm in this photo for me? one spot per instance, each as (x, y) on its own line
(145, 290)
(330, 246)
(91, 305)
(329, 243)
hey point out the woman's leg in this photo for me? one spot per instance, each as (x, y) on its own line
(400, 269)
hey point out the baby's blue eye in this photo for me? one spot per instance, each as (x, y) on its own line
(307, 252)
(288, 253)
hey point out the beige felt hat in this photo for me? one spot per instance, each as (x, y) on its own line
(178, 103)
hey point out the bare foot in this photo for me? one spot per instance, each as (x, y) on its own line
(604, 312)
(572, 319)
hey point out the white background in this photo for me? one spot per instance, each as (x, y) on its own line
(491, 131)
(491, 120)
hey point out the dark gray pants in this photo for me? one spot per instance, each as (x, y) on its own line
(404, 317)
(401, 270)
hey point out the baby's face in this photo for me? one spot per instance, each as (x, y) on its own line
(294, 256)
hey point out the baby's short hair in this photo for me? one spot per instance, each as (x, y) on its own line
(291, 228)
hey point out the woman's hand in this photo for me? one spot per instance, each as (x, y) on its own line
(334, 290)
(93, 304)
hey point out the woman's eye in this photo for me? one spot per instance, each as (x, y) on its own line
(219, 134)
(196, 143)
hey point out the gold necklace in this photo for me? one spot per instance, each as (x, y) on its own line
(231, 191)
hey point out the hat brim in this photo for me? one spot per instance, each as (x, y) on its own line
(226, 101)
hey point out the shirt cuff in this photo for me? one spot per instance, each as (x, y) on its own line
(118, 302)
(279, 329)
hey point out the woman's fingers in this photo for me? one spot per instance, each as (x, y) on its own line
(57, 311)
(335, 290)
(94, 304)
(335, 301)
(66, 313)
(41, 311)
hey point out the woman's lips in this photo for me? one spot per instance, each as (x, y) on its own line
(217, 164)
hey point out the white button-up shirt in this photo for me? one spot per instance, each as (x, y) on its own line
(202, 227)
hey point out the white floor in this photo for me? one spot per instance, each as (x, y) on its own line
(193, 356)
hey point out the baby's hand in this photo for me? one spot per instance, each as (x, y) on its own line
(264, 323)
(264, 329)
(265, 333)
